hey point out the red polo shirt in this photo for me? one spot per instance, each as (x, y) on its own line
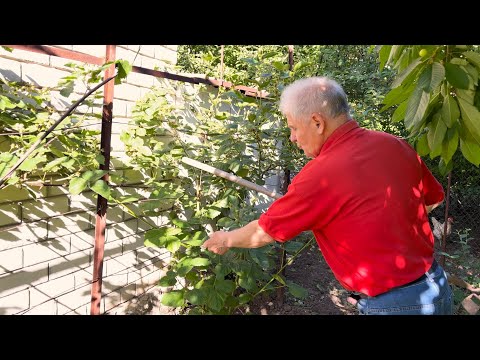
(364, 198)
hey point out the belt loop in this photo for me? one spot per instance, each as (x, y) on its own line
(427, 274)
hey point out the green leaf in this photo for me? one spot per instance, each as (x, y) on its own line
(212, 213)
(300, 65)
(199, 261)
(417, 105)
(247, 282)
(244, 298)
(293, 246)
(94, 175)
(225, 222)
(198, 296)
(32, 163)
(225, 286)
(7, 161)
(403, 75)
(102, 189)
(279, 279)
(243, 172)
(383, 55)
(431, 77)
(450, 144)
(422, 145)
(261, 257)
(473, 57)
(124, 68)
(471, 118)
(67, 90)
(167, 280)
(399, 113)
(397, 96)
(456, 76)
(470, 150)
(467, 95)
(173, 299)
(216, 300)
(223, 203)
(450, 111)
(445, 168)
(296, 290)
(172, 243)
(436, 132)
(54, 164)
(100, 159)
(128, 199)
(77, 185)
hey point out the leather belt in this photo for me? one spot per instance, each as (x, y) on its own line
(432, 269)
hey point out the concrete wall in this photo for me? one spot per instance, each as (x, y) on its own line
(46, 244)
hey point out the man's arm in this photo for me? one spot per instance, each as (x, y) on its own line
(248, 236)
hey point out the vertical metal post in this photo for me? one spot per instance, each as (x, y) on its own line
(101, 217)
(285, 183)
(444, 237)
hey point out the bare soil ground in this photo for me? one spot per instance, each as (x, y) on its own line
(325, 295)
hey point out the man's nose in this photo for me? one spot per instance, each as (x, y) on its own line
(293, 138)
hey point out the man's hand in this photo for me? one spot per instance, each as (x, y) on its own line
(216, 243)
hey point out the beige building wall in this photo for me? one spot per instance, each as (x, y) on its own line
(46, 244)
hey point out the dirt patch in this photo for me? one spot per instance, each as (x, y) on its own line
(325, 295)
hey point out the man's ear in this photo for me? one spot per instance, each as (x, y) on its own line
(319, 122)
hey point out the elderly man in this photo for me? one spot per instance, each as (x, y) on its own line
(365, 195)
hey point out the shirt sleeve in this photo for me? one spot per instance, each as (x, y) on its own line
(432, 190)
(308, 204)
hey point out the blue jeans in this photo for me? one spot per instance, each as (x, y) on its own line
(431, 295)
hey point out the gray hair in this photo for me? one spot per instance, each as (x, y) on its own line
(306, 96)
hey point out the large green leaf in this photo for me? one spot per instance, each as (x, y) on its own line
(397, 96)
(456, 76)
(417, 105)
(450, 144)
(473, 57)
(102, 189)
(431, 77)
(32, 163)
(470, 150)
(162, 237)
(471, 118)
(436, 132)
(216, 300)
(77, 185)
(450, 111)
(467, 95)
(198, 296)
(173, 299)
(247, 282)
(403, 75)
(225, 286)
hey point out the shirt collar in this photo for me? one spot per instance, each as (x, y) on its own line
(338, 133)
